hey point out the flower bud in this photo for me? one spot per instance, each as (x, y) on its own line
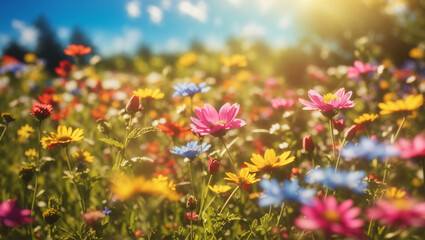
(103, 126)
(26, 172)
(191, 203)
(339, 124)
(51, 216)
(213, 166)
(308, 144)
(350, 133)
(133, 106)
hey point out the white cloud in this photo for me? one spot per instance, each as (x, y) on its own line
(197, 11)
(28, 34)
(127, 42)
(63, 33)
(133, 9)
(166, 4)
(155, 14)
(235, 2)
(284, 22)
(253, 30)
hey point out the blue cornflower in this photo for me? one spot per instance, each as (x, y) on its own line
(191, 150)
(368, 149)
(189, 89)
(353, 180)
(106, 210)
(274, 194)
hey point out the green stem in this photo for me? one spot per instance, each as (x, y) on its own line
(228, 199)
(393, 139)
(204, 197)
(311, 159)
(280, 214)
(52, 234)
(230, 155)
(191, 177)
(339, 154)
(83, 205)
(331, 129)
(208, 205)
(4, 130)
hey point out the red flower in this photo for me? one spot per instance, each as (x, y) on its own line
(213, 166)
(133, 106)
(41, 111)
(308, 144)
(61, 115)
(138, 233)
(65, 67)
(77, 50)
(339, 124)
(48, 98)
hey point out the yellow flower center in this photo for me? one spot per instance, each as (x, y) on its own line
(329, 97)
(64, 138)
(220, 122)
(332, 216)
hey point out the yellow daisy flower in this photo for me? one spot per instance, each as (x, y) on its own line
(416, 53)
(164, 179)
(269, 162)
(242, 178)
(125, 188)
(395, 193)
(25, 132)
(187, 59)
(148, 94)
(410, 104)
(237, 60)
(31, 153)
(83, 156)
(366, 119)
(63, 137)
(219, 189)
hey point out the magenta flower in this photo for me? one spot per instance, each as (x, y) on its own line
(360, 69)
(399, 212)
(282, 103)
(411, 149)
(330, 103)
(216, 123)
(332, 218)
(12, 216)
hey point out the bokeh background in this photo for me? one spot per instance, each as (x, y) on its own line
(279, 37)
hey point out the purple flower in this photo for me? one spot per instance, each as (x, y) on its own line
(12, 216)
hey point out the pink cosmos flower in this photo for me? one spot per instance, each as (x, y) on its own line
(12, 216)
(330, 103)
(332, 218)
(282, 103)
(398, 212)
(360, 69)
(411, 149)
(216, 123)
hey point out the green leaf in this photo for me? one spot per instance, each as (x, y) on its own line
(112, 142)
(137, 132)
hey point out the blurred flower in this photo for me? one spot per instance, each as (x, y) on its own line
(330, 103)
(360, 69)
(83, 156)
(41, 111)
(93, 218)
(49, 98)
(214, 123)
(133, 106)
(316, 73)
(242, 178)
(77, 50)
(237, 60)
(25, 132)
(138, 233)
(63, 137)
(368, 149)
(402, 212)
(192, 215)
(219, 189)
(353, 180)
(106, 210)
(65, 67)
(11, 64)
(191, 150)
(25, 173)
(31, 153)
(7, 117)
(274, 194)
(51, 216)
(164, 179)
(12, 216)
(308, 144)
(174, 129)
(412, 149)
(125, 187)
(187, 59)
(148, 94)
(282, 103)
(213, 165)
(189, 89)
(30, 57)
(411, 103)
(395, 193)
(269, 162)
(365, 119)
(332, 218)
(416, 53)
(339, 124)
(351, 133)
(191, 203)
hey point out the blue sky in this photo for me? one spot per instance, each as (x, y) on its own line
(166, 25)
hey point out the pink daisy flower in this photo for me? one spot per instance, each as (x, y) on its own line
(359, 69)
(13, 216)
(282, 103)
(411, 149)
(330, 103)
(398, 212)
(216, 123)
(332, 218)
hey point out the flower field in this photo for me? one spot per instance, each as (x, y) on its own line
(212, 145)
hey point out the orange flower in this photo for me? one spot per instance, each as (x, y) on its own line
(77, 50)
(175, 129)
